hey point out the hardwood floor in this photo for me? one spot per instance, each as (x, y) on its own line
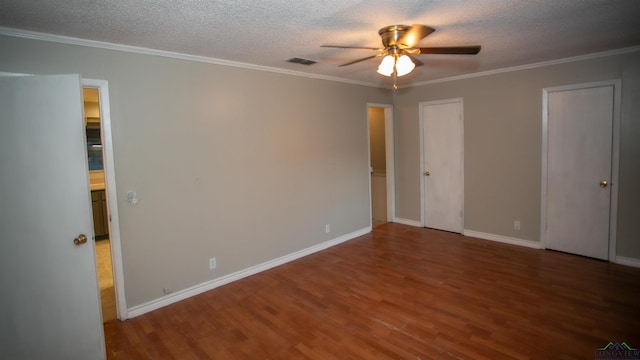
(400, 293)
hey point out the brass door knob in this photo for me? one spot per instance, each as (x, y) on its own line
(426, 173)
(81, 239)
(603, 184)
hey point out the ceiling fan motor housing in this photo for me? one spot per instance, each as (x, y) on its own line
(403, 36)
(391, 34)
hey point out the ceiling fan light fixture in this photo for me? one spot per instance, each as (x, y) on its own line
(387, 65)
(400, 45)
(404, 65)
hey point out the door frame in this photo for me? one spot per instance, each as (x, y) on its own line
(421, 105)
(389, 158)
(112, 195)
(615, 157)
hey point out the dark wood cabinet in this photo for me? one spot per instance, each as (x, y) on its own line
(100, 221)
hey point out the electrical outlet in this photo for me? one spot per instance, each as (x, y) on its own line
(327, 228)
(212, 263)
(516, 225)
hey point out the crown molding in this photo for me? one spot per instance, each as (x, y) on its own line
(527, 66)
(34, 35)
(147, 51)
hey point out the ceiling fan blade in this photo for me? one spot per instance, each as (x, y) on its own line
(415, 33)
(350, 47)
(454, 50)
(359, 60)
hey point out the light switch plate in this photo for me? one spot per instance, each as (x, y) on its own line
(132, 198)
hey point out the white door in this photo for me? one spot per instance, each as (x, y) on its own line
(49, 307)
(578, 177)
(442, 169)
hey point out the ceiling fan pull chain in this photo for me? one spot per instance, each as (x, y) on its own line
(395, 77)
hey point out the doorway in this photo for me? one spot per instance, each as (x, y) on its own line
(104, 199)
(381, 163)
(579, 168)
(442, 164)
(98, 203)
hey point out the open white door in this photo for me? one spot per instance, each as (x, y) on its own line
(49, 307)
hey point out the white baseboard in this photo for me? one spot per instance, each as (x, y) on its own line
(503, 239)
(407, 222)
(206, 286)
(536, 245)
(627, 261)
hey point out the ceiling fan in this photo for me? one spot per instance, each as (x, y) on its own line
(399, 49)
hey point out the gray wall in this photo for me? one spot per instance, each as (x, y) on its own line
(503, 145)
(243, 165)
(248, 166)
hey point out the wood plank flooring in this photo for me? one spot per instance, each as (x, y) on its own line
(400, 292)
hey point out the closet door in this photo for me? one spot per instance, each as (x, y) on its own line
(579, 169)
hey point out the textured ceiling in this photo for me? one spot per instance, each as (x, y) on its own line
(267, 32)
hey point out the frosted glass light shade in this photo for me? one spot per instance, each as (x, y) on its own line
(404, 65)
(386, 66)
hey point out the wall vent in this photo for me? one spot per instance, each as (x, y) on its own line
(298, 60)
